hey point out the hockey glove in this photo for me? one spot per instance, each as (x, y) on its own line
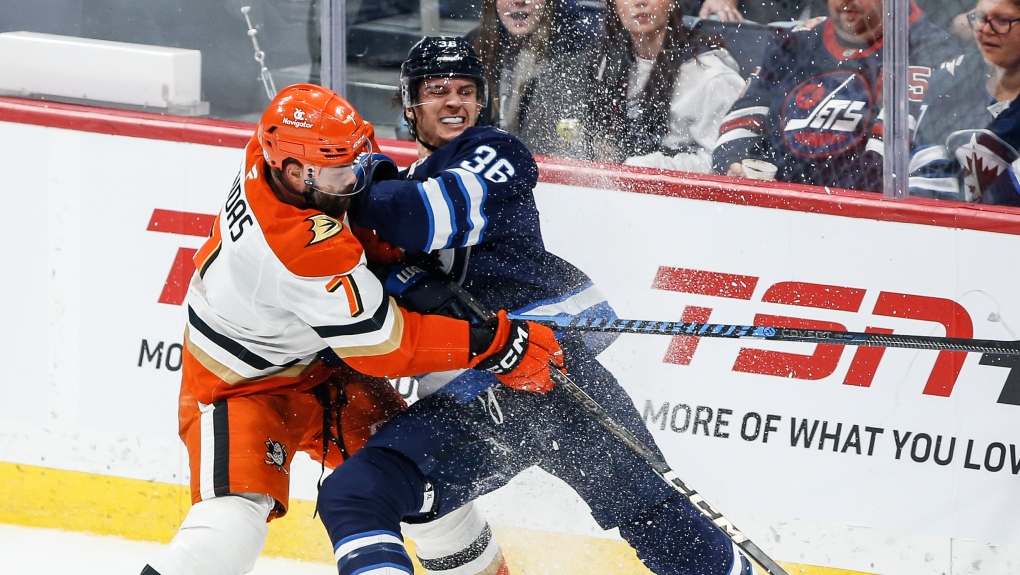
(374, 168)
(376, 250)
(369, 169)
(519, 353)
(415, 290)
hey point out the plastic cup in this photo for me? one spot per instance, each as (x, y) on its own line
(759, 169)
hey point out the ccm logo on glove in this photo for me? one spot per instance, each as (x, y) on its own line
(512, 353)
(518, 352)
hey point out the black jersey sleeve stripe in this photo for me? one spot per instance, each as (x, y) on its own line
(369, 325)
(221, 449)
(229, 345)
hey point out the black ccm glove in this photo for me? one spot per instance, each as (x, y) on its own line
(415, 290)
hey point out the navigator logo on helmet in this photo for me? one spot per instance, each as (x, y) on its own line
(320, 130)
(439, 56)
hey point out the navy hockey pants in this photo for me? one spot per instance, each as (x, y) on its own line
(442, 453)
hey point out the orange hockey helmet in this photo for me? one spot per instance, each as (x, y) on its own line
(313, 125)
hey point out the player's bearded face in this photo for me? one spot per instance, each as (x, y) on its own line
(335, 206)
(446, 107)
(857, 20)
(327, 189)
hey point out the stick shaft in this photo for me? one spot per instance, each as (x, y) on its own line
(730, 331)
(563, 382)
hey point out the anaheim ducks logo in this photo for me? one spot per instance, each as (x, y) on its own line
(323, 228)
(276, 454)
(827, 115)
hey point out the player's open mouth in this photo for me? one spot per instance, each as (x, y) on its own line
(521, 16)
(454, 121)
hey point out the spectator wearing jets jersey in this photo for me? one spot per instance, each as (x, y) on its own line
(660, 89)
(814, 107)
(466, 212)
(970, 133)
(281, 281)
(533, 51)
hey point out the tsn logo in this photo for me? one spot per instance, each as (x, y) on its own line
(823, 362)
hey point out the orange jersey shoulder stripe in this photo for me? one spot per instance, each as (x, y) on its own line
(307, 242)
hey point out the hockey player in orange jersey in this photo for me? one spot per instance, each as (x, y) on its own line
(280, 280)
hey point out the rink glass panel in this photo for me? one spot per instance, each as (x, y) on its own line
(378, 34)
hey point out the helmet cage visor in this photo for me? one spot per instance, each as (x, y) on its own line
(340, 180)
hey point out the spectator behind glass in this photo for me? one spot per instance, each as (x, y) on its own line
(970, 132)
(947, 14)
(533, 51)
(813, 109)
(762, 11)
(951, 16)
(661, 90)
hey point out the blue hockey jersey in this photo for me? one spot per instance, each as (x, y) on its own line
(471, 205)
(813, 108)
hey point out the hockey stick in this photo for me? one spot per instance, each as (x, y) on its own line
(653, 459)
(674, 328)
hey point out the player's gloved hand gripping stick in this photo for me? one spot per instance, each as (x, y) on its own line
(650, 457)
(522, 355)
(519, 353)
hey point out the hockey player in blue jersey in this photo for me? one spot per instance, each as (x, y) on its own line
(813, 108)
(467, 208)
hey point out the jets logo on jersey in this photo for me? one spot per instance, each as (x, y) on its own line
(323, 228)
(983, 156)
(827, 115)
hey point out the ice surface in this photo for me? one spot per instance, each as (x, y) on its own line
(29, 551)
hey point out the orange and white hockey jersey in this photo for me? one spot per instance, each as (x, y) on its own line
(275, 284)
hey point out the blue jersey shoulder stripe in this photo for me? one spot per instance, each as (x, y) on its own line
(475, 192)
(432, 217)
(444, 236)
(441, 213)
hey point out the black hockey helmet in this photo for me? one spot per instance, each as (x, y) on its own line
(440, 56)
